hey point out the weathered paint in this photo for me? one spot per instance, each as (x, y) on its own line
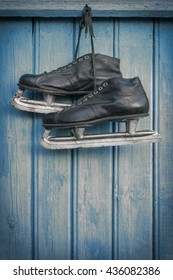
(72, 8)
(101, 203)
(16, 187)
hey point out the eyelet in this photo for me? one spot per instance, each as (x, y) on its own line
(95, 92)
(86, 56)
(85, 99)
(100, 88)
(79, 103)
(73, 106)
(90, 95)
(105, 84)
(80, 59)
(70, 65)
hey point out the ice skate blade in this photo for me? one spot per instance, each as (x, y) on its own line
(100, 140)
(37, 106)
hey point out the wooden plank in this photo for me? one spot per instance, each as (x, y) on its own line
(134, 186)
(53, 48)
(164, 153)
(61, 8)
(42, 216)
(16, 144)
(93, 177)
(115, 159)
(93, 202)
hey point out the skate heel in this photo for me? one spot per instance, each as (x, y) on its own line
(46, 133)
(131, 126)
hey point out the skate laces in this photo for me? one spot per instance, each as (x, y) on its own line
(60, 69)
(83, 99)
(86, 22)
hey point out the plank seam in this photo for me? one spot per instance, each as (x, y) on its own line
(155, 147)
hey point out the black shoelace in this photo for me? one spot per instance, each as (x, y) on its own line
(86, 22)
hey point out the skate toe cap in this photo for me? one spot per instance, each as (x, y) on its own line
(28, 80)
(55, 119)
(49, 118)
(69, 117)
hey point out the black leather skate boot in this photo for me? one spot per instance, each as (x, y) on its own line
(79, 77)
(116, 99)
(75, 78)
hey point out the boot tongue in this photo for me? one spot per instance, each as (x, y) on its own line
(90, 95)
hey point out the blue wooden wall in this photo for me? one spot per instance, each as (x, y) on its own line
(101, 203)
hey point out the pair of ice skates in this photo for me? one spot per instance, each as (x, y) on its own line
(113, 99)
(106, 96)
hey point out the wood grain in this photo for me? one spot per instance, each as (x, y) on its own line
(52, 170)
(62, 8)
(93, 172)
(101, 203)
(134, 192)
(15, 147)
(164, 153)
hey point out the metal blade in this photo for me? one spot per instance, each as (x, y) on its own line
(101, 140)
(37, 106)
